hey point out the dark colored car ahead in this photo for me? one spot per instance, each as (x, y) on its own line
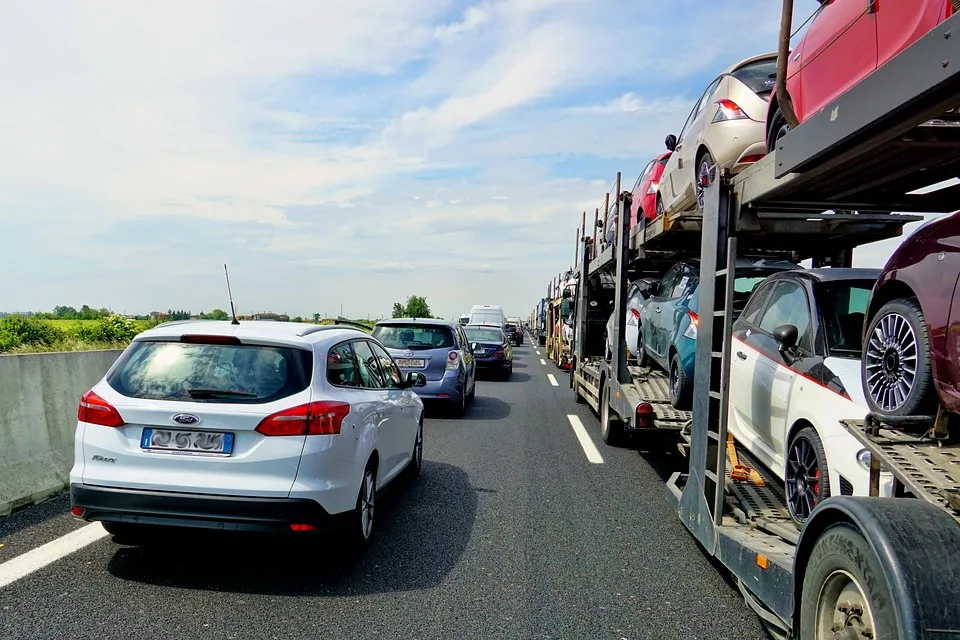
(438, 349)
(514, 333)
(911, 352)
(491, 349)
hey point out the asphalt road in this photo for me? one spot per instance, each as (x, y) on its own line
(510, 532)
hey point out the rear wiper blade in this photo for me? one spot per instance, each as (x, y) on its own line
(219, 393)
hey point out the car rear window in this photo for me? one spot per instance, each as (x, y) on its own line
(221, 373)
(484, 317)
(413, 336)
(760, 77)
(484, 335)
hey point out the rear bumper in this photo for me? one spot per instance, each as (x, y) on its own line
(492, 363)
(229, 513)
(447, 388)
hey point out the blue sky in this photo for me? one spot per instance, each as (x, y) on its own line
(334, 153)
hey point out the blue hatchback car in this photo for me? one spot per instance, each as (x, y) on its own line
(438, 349)
(669, 320)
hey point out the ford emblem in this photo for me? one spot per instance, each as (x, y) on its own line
(185, 418)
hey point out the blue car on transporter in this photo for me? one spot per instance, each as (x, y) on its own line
(436, 348)
(669, 321)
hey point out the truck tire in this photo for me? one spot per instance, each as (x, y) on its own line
(611, 426)
(843, 570)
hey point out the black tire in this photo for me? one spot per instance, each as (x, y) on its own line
(576, 387)
(839, 554)
(458, 407)
(505, 374)
(887, 350)
(473, 392)
(642, 359)
(359, 534)
(705, 166)
(611, 426)
(416, 460)
(807, 477)
(778, 129)
(681, 387)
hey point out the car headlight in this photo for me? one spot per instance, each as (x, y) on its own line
(863, 459)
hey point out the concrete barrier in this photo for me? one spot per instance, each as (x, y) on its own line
(39, 396)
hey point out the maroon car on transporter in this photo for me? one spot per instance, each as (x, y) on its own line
(911, 352)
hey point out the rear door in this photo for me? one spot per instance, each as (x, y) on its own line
(652, 318)
(839, 49)
(900, 24)
(686, 151)
(191, 411)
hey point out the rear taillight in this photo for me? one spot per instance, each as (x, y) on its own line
(635, 313)
(749, 159)
(314, 419)
(499, 352)
(453, 360)
(728, 110)
(694, 326)
(645, 415)
(652, 189)
(95, 410)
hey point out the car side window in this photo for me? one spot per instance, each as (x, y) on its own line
(644, 174)
(751, 313)
(684, 284)
(370, 374)
(789, 305)
(342, 366)
(705, 100)
(693, 114)
(666, 285)
(391, 371)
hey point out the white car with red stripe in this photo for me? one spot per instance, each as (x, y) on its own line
(795, 374)
(256, 426)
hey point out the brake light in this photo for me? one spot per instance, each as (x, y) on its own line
(202, 339)
(694, 327)
(95, 410)
(753, 158)
(453, 360)
(652, 189)
(645, 415)
(322, 418)
(728, 110)
(635, 313)
(302, 527)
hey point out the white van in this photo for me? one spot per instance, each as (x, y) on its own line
(487, 314)
(464, 318)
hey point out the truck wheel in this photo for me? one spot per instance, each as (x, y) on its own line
(611, 426)
(845, 592)
(897, 379)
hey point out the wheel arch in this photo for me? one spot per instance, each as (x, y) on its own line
(889, 290)
(918, 574)
(798, 424)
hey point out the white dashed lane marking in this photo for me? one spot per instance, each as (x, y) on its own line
(553, 380)
(586, 443)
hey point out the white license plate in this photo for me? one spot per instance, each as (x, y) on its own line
(187, 443)
(408, 363)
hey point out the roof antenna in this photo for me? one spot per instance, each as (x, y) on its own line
(233, 311)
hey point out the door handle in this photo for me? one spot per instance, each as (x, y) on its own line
(741, 355)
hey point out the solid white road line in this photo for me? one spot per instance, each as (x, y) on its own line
(553, 380)
(588, 447)
(543, 362)
(38, 558)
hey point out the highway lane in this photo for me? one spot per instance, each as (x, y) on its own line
(510, 532)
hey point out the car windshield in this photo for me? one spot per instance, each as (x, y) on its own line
(189, 372)
(413, 336)
(843, 306)
(759, 76)
(483, 335)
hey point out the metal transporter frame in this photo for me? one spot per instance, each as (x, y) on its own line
(870, 151)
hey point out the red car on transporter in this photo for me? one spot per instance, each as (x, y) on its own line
(847, 41)
(645, 189)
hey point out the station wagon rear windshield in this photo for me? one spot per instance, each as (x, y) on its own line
(760, 76)
(843, 306)
(413, 336)
(221, 373)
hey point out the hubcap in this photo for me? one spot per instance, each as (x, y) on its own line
(366, 504)
(674, 382)
(803, 479)
(891, 361)
(705, 176)
(843, 612)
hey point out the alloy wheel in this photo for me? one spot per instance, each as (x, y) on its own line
(803, 478)
(367, 499)
(706, 173)
(891, 361)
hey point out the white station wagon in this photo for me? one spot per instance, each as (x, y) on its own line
(257, 426)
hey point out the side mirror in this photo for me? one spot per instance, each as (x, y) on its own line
(670, 142)
(786, 336)
(416, 379)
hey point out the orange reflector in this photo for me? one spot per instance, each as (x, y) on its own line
(302, 527)
(762, 562)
